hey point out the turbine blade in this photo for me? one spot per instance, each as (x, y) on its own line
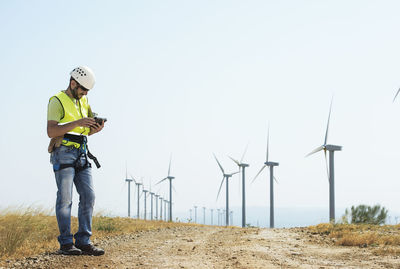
(169, 167)
(134, 180)
(220, 166)
(276, 180)
(222, 182)
(236, 161)
(174, 189)
(259, 172)
(396, 95)
(161, 180)
(327, 126)
(244, 153)
(315, 150)
(267, 143)
(234, 173)
(326, 163)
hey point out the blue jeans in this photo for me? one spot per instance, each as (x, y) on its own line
(65, 179)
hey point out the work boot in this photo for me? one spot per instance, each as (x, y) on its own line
(90, 250)
(69, 249)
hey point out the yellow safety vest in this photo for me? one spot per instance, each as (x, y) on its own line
(73, 112)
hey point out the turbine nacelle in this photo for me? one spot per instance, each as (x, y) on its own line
(271, 164)
(333, 148)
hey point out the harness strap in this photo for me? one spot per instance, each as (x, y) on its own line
(82, 140)
(92, 157)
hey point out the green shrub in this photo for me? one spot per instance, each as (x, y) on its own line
(364, 214)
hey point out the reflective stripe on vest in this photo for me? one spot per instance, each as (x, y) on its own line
(73, 113)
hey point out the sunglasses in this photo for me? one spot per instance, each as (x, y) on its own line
(83, 88)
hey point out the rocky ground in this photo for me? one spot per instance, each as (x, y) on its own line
(218, 247)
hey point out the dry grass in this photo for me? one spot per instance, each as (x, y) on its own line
(27, 232)
(360, 235)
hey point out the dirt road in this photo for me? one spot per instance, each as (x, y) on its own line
(217, 247)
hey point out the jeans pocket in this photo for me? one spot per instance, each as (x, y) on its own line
(64, 155)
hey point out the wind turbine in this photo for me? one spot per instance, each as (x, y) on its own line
(138, 195)
(271, 183)
(161, 199)
(170, 178)
(145, 202)
(195, 214)
(212, 210)
(129, 195)
(165, 209)
(204, 215)
(226, 178)
(157, 195)
(151, 205)
(242, 167)
(331, 170)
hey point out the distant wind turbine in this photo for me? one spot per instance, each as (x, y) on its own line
(129, 195)
(331, 171)
(242, 167)
(170, 178)
(138, 184)
(156, 195)
(226, 178)
(161, 206)
(271, 183)
(165, 209)
(145, 202)
(151, 205)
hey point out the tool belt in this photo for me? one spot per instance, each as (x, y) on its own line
(82, 141)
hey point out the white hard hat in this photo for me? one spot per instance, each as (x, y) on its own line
(84, 76)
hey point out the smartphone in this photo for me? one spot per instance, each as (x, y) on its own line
(100, 120)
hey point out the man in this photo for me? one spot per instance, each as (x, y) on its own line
(69, 122)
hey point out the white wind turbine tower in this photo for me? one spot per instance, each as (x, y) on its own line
(156, 195)
(242, 167)
(170, 178)
(129, 194)
(226, 178)
(161, 199)
(145, 202)
(204, 215)
(138, 184)
(151, 204)
(165, 209)
(271, 183)
(331, 170)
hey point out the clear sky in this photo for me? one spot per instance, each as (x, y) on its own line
(190, 78)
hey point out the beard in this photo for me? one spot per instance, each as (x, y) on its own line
(75, 93)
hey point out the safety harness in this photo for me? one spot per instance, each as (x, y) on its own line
(82, 141)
